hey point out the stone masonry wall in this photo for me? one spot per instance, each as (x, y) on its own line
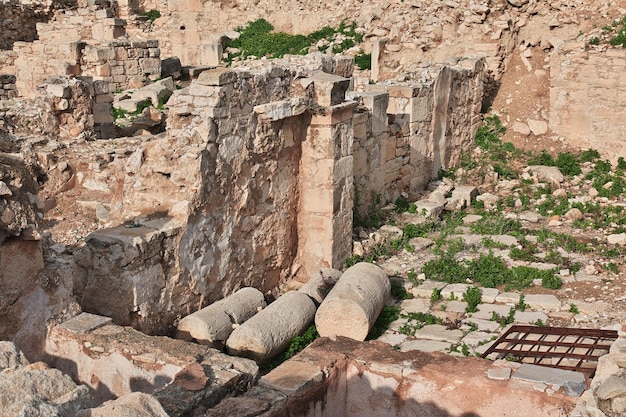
(426, 125)
(18, 21)
(58, 50)
(587, 97)
(7, 86)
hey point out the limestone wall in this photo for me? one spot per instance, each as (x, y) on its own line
(124, 63)
(587, 97)
(257, 172)
(426, 126)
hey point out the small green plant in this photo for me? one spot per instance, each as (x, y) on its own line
(551, 281)
(296, 345)
(399, 292)
(472, 296)
(416, 321)
(521, 305)
(473, 326)
(435, 295)
(612, 266)
(412, 276)
(152, 15)
(465, 350)
(540, 323)
(573, 309)
(363, 60)
(452, 297)
(387, 315)
(567, 164)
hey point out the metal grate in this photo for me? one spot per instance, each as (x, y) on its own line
(555, 347)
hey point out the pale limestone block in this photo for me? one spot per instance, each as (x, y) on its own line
(353, 305)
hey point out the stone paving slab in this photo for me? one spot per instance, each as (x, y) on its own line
(455, 306)
(485, 311)
(457, 289)
(86, 322)
(415, 305)
(507, 298)
(425, 290)
(551, 376)
(530, 317)
(544, 302)
(499, 374)
(424, 346)
(483, 325)
(474, 338)
(392, 338)
(489, 295)
(439, 333)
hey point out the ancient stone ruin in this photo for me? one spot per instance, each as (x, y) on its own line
(175, 219)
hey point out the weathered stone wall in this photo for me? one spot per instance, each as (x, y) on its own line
(587, 97)
(61, 107)
(7, 86)
(256, 172)
(124, 63)
(18, 21)
(426, 126)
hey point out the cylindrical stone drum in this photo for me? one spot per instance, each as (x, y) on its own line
(268, 333)
(353, 305)
(213, 324)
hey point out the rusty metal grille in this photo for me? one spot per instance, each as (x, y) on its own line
(555, 347)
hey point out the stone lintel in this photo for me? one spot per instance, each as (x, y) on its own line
(330, 89)
(333, 115)
(283, 109)
(217, 77)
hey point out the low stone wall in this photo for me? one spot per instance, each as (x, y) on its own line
(587, 97)
(114, 361)
(348, 378)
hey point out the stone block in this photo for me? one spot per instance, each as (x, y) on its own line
(545, 302)
(429, 209)
(465, 192)
(426, 288)
(499, 374)
(550, 376)
(59, 90)
(217, 77)
(330, 90)
(102, 113)
(85, 322)
(437, 332)
(377, 104)
(456, 289)
(150, 66)
(530, 317)
(424, 346)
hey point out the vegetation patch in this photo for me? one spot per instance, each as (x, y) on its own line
(258, 39)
